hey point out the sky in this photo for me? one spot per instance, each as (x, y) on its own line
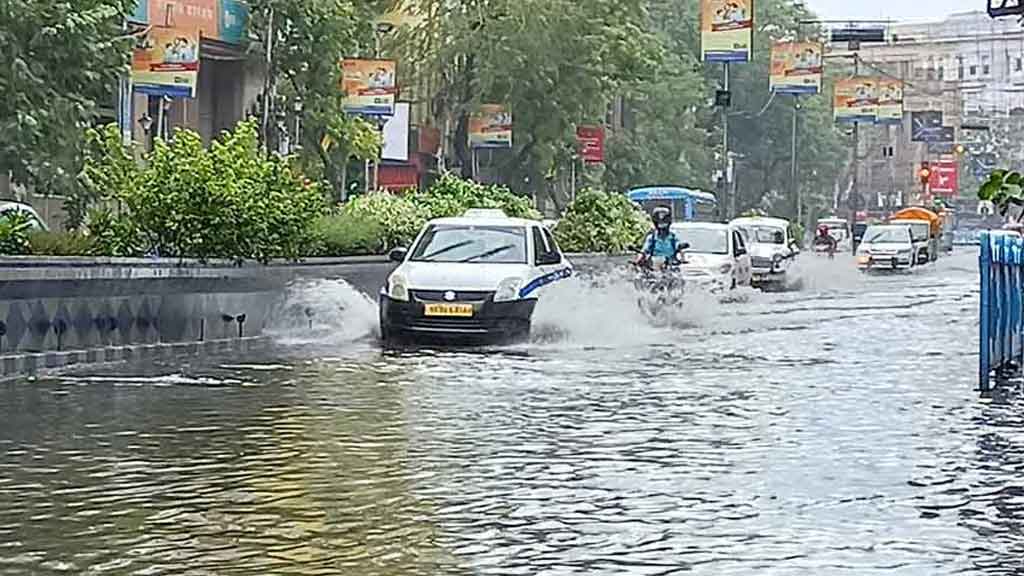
(892, 9)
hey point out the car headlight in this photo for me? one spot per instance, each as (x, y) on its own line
(508, 290)
(725, 268)
(398, 288)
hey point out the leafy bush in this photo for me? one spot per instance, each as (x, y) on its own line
(452, 196)
(231, 200)
(45, 243)
(14, 233)
(600, 221)
(343, 234)
(398, 218)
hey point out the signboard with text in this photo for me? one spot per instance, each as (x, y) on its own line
(726, 30)
(856, 100)
(591, 143)
(890, 101)
(944, 179)
(369, 87)
(490, 127)
(796, 68)
(165, 62)
(223, 20)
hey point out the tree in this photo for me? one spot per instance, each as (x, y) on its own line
(62, 61)
(310, 38)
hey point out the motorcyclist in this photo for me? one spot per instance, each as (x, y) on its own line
(825, 238)
(661, 242)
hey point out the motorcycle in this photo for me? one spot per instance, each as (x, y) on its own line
(660, 283)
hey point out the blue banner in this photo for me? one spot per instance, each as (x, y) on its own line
(234, 16)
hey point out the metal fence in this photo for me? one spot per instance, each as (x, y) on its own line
(1002, 297)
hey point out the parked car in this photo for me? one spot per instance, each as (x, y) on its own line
(717, 256)
(772, 248)
(476, 277)
(888, 247)
(35, 221)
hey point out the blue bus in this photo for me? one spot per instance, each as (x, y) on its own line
(687, 205)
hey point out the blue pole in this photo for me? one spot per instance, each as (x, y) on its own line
(985, 359)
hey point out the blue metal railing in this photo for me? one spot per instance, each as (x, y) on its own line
(1002, 295)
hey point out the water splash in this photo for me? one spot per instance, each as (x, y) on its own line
(324, 312)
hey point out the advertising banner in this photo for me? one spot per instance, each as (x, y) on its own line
(165, 62)
(234, 17)
(726, 30)
(396, 135)
(491, 127)
(944, 179)
(856, 100)
(199, 16)
(890, 101)
(591, 143)
(369, 87)
(796, 68)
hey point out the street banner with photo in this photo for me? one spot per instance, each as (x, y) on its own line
(856, 100)
(890, 101)
(491, 127)
(726, 30)
(796, 68)
(945, 178)
(165, 62)
(369, 87)
(590, 140)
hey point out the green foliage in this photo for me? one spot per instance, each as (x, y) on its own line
(62, 61)
(114, 235)
(46, 243)
(399, 217)
(1004, 189)
(452, 196)
(15, 228)
(344, 234)
(601, 222)
(231, 200)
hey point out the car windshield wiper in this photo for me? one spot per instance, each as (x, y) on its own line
(446, 250)
(490, 253)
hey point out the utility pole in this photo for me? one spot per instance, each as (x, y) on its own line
(797, 192)
(725, 142)
(855, 190)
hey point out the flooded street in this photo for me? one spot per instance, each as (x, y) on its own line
(834, 430)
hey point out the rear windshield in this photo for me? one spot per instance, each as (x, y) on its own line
(486, 244)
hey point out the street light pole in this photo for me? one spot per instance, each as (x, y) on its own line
(725, 143)
(798, 193)
(855, 190)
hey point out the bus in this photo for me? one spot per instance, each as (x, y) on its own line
(687, 205)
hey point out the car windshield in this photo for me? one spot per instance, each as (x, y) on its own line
(704, 240)
(765, 234)
(465, 243)
(886, 234)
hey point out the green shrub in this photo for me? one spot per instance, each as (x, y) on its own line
(452, 196)
(230, 200)
(398, 217)
(15, 228)
(601, 222)
(343, 234)
(46, 243)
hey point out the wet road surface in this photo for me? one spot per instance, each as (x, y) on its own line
(835, 430)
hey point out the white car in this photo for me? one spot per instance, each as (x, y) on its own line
(717, 256)
(35, 221)
(772, 248)
(887, 247)
(921, 231)
(478, 276)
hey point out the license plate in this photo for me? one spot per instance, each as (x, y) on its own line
(449, 310)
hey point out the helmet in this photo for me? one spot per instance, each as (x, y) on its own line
(662, 218)
(823, 230)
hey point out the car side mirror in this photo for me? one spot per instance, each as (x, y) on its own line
(398, 254)
(550, 259)
(684, 246)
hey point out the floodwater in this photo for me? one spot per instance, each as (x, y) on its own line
(836, 430)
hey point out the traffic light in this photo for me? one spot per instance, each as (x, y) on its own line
(960, 149)
(925, 173)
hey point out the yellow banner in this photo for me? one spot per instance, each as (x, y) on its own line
(890, 101)
(491, 127)
(726, 30)
(369, 86)
(796, 68)
(856, 100)
(165, 62)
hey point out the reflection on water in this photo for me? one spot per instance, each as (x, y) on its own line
(832, 431)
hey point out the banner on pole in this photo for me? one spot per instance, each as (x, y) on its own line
(165, 62)
(856, 100)
(591, 143)
(369, 87)
(726, 30)
(796, 68)
(890, 101)
(490, 127)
